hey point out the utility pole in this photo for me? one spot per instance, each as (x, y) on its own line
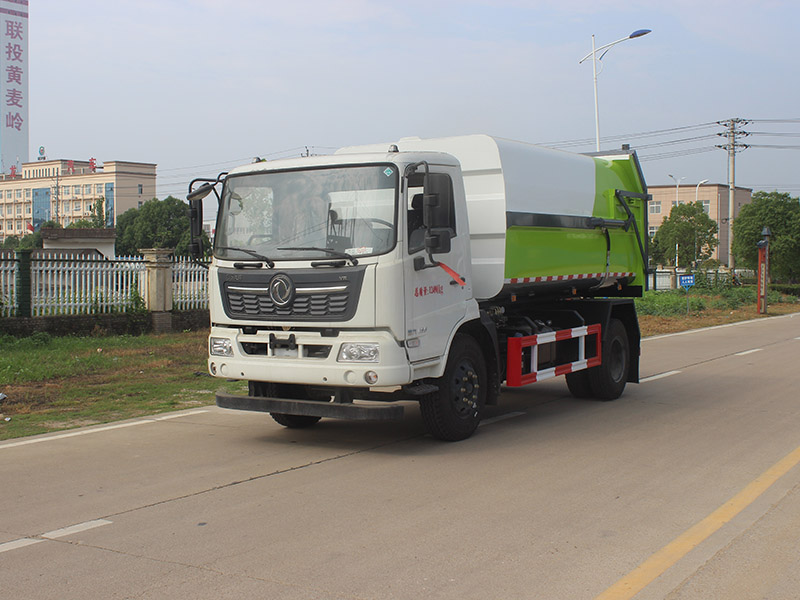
(732, 146)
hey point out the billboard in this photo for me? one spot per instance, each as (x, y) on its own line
(13, 85)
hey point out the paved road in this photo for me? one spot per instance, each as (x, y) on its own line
(676, 490)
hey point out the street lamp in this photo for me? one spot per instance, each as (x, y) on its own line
(593, 55)
(677, 181)
(697, 190)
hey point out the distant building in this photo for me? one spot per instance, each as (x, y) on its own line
(65, 191)
(714, 197)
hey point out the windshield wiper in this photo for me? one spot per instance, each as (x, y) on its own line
(269, 262)
(330, 251)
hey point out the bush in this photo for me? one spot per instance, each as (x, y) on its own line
(668, 304)
(792, 289)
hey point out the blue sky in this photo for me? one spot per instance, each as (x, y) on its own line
(201, 86)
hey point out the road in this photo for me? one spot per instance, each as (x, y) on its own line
(686, 487)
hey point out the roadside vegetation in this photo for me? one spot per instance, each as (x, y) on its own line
(708, 305)
(54, 383)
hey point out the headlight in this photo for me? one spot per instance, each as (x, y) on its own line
(220, 346)
(359, 353)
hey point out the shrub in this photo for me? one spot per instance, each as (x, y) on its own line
(668, 304)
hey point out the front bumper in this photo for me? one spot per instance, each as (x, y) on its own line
(311, 358)
(351, 411)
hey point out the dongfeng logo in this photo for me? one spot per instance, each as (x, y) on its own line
(281, 290)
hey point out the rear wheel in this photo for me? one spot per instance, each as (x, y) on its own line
(454, 412)
(608, 380)
(281, 390)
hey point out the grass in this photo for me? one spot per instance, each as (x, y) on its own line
(59, 383)
(56, 383)
(665, 312)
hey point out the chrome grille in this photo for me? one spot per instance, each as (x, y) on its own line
(257, 303)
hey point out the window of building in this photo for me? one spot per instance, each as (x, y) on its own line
(651, 230)
(141, 189)
(655, 207)
(19, 209)
(77, 190)
(8, 194)
(707, 206)
(77, 205)
(28, 193)
(98, 189)
(18, 193)
(65, 191)
(87, 189)
(28, 209)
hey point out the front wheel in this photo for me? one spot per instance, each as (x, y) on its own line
(278, 390)
(454, 412)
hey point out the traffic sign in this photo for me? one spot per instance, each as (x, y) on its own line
(686, 281)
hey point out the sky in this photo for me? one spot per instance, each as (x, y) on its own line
(201, 86)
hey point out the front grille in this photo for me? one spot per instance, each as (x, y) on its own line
(319, 295)
(255, 304)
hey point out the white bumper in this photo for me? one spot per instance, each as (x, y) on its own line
(312, 362)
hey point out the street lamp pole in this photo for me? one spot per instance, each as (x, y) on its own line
(593, 56)
(697, 190)
(677, 181)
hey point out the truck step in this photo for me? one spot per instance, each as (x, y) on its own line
(311, 408)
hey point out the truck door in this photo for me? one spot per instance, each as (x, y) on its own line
(435, 301)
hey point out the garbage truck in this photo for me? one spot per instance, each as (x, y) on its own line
(427, 270)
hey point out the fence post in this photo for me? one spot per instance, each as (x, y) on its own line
(158, 287)
(24, 287)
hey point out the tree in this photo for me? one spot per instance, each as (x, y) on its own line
(11, 243)
(156, 224)
(691, 229)
(781, 213)
(98, 213)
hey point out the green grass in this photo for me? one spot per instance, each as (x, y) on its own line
(58, 383)
(673, 302)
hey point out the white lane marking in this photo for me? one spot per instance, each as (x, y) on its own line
(52, 535)
(62, 436)
(659, 376)
(58, 533)
(510, 415)
(179, 415)
(746, 352)
(18, 544)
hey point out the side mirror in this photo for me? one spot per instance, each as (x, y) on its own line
(437, 240)
(437, 201)
(196, 225)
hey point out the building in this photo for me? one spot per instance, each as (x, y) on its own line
(714, 197)
(66, 191)
(81, 241)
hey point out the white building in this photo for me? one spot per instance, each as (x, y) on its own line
(65, 191)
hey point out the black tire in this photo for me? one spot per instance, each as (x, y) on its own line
(278, 390)
(608, 380)
(295, 421)
(579, 384)
(454, 412)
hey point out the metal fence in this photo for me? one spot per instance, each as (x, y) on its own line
(70, 285)
(189, 284)
(66, 284)
(8, 289)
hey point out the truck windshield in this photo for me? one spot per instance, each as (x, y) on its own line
(297, 215)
